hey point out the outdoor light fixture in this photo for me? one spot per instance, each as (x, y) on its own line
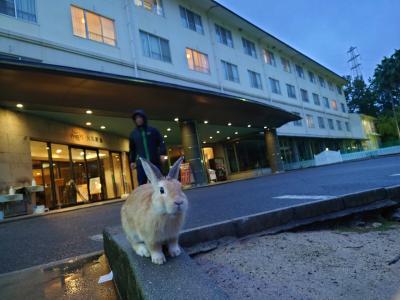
(229, 124)
(327, 149)
(176, 119)
(88, 123)
(168, 129)
(102, 127)
(89, 112)
(249, 125)
(236, 132)
(206, 122)
(19, 105)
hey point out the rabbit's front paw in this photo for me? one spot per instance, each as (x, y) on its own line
(141, 250)
(158, 258)
(174, 250)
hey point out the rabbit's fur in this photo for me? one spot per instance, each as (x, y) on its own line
(150, 218)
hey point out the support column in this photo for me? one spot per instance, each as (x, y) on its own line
(295, 150)
(273, 150)
(192, 150)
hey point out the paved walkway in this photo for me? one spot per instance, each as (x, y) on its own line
(40, 240)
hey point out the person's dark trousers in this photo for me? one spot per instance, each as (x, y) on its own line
(141, 175)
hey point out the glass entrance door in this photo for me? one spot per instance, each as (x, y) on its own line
(80, 174)
(93, 171)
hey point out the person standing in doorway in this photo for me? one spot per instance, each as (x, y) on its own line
(146, 142)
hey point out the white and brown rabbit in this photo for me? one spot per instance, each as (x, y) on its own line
(153, 214)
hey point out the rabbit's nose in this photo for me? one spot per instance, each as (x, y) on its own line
(178, 203)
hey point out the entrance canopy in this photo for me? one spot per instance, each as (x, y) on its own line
(43, 87)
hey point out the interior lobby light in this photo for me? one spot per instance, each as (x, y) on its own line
(89, 112)
(102, 127)
(228, 138)
(205, 122)
(165, 136)
(218, 131)
(88, 123)
(249, 125)
(19, 105)
(211, 137)
(204, 142)
(265, 127)
(236, 132)
(229, 124)
(176, 119)
(168, 129)
(58, 151)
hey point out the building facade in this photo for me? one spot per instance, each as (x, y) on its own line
(197, 45)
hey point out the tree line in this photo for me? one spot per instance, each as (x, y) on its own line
(379, 97)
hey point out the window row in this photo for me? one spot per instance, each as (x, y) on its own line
(321, 123)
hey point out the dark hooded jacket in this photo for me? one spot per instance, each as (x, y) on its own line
(146, 142)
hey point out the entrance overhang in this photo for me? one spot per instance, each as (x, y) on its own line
(63, 89)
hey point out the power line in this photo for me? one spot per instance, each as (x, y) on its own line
(355, 62)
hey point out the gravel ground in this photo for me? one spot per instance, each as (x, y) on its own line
(325, 264)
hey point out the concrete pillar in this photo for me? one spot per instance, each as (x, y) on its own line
(295, 150)
(192, 149)
(273, 151)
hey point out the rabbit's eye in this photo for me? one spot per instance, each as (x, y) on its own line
(162, 190)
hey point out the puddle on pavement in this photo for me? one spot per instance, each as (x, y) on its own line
(76, 279)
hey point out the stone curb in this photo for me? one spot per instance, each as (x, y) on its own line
(294, 216)
(138, 278)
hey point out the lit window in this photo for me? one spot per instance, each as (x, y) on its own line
(92, 26)
(255, 80)
(152, 5)
(321, 122)
(224, 36)
(231, 71)
(316, 99)
(197, 61)
(286, 65)
(300, 71)
(291, 91)
(269, 57)
(20, 9)
(191, 20)
(155, 47)
(249, 48)
(275, 86)
(310, 121)
(304, 95)
(334, 104)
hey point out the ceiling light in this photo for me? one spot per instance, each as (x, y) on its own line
(204, 142)
(211, 137)
(58, 151)
(165, 136)
(249, 125)
(265, 127)
(82, 153)
(168, 129)
(176, 119)
(89, 112)
(88, 123)
(218, 131)
(229, 124)
(19, 105)
(228, 138)
(102, 127)
(205, 122)
(236, 132)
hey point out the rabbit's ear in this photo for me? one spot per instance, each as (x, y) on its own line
(174, 171)
(152, 172)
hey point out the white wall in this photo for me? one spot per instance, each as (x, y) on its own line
(51, 40)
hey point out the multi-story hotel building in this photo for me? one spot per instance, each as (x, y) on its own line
(220, 89)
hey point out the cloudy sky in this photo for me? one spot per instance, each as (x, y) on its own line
(325, 30)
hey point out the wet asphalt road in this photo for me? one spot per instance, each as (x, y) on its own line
(44, 239)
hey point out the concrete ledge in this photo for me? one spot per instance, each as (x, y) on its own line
(137, 278)
(363, 198)
(393, 193)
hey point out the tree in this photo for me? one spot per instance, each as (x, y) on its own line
(386, 84)
(360, 97)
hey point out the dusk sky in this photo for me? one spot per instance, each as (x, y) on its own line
(325, 30)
